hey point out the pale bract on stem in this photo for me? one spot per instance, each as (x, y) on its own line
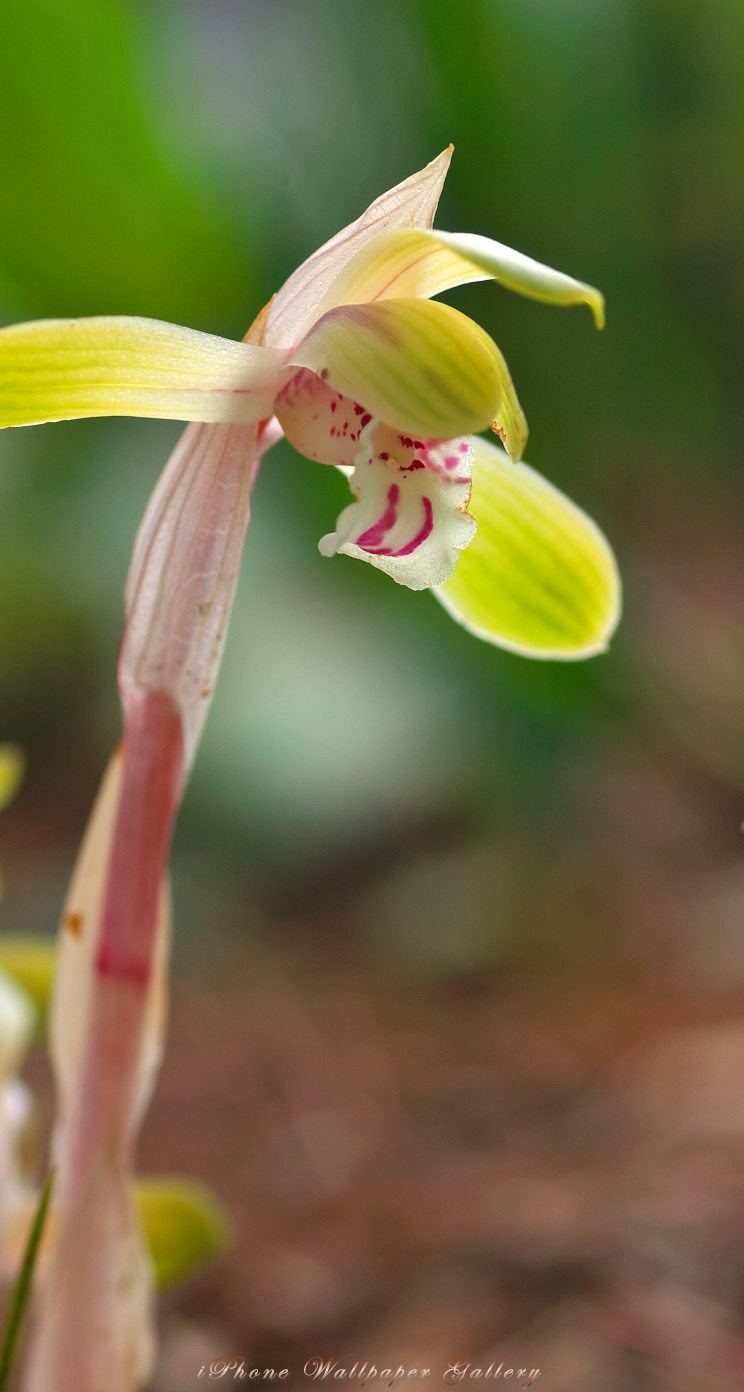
(361, 369)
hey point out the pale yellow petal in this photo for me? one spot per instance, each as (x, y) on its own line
(421, 367)
(422, 262)
(538, 577)
(509, 423)
(58, 369)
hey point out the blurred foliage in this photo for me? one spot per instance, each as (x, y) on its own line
(111, 214)
(184, 1224)
(30, 962)
(11, 772)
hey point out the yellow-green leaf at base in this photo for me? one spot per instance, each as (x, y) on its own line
(184, 1223)
(421, 367)
(538, 577)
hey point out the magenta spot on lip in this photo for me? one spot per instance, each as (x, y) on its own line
(366, 418)
(358, 410)
(376, 532)
(464, 447)
(451, 461)
(334, 405)
(409, 468)
(384, 457)
(413, 545)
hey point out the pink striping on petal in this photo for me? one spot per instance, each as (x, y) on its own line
(374, 534)
(421, 536)
(417, 541)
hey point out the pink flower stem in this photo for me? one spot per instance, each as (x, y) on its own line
(153, 761)
(95, 1331)
(152, 778)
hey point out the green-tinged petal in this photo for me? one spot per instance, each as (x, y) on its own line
(423, 368)
(12, 764)
(509, 423)
(58, 369)
(30, 962)
(185, 1225)
(538, 577)
(419, 262)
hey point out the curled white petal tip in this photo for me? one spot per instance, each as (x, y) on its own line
(328, 544)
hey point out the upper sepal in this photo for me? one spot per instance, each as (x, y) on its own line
(318, 284)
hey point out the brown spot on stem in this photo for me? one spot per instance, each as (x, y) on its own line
(73, 922)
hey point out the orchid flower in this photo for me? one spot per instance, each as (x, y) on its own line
(356, 364)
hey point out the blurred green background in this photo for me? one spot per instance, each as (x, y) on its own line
(385, 810)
